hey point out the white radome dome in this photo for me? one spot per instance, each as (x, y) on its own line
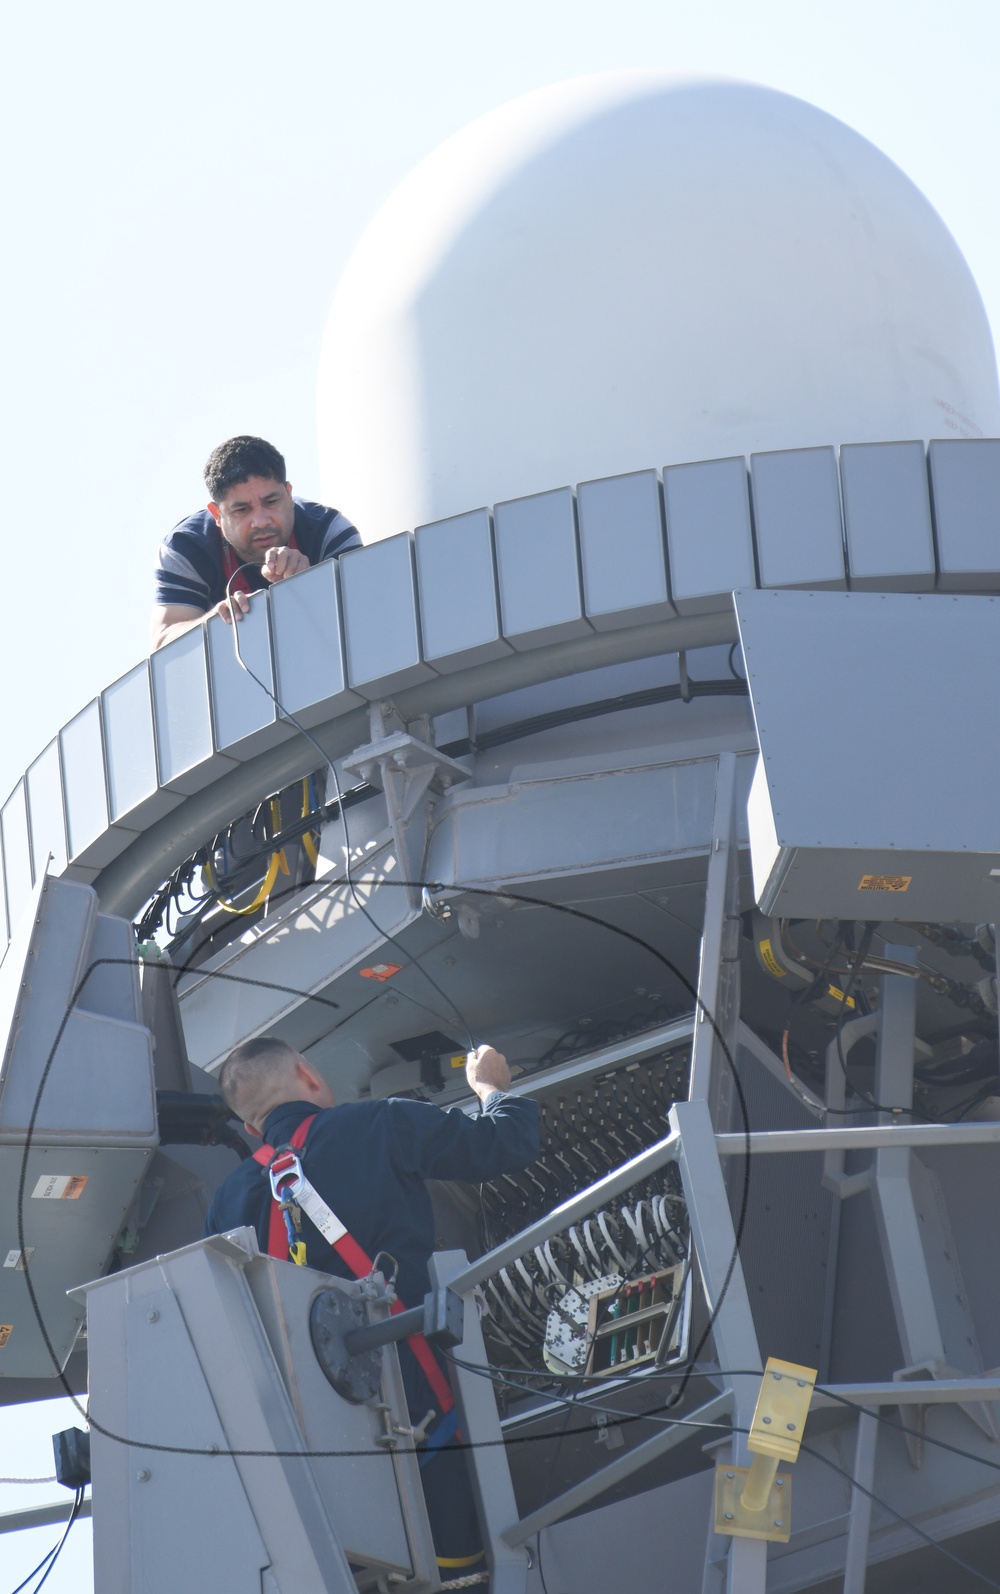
(634, 270)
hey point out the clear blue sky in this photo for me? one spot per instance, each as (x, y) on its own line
(182, 186)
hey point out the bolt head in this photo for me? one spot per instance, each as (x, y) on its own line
(767, 1419)
(728, 1515)
(779, 1483)
(730, 1474)
(143, 1475)
(776, 1377)
(790, 1426)
(153, 1316)
(777, 1522)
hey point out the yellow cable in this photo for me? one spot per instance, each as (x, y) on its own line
(311, 849)
(266, 887)
(461, 1560)
(276, 822)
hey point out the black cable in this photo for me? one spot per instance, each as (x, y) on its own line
(363, 792)
(621, 1420)
(480, 891)
(935, 1544)
(53, 1555)
(331, 766)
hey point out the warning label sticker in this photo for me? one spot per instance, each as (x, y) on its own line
(885, 882)
(6, 1330)
(20, 1259)
(838, 995)
(59, 1187)
(769, 960)
(380, 971)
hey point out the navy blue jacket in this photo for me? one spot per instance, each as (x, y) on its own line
(190, 570)
(368, 1160)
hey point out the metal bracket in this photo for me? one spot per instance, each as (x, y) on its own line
(915, 1416)
(412, 774)
(754, 1502)
(772, 1521)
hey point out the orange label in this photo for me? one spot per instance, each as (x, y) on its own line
(885, 882)
(59, 1187)
(381, 971)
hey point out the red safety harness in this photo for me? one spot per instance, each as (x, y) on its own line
(360, 1264)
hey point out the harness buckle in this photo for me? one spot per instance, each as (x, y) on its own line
(286, 1176)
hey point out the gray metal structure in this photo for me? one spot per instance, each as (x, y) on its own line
(543, 708)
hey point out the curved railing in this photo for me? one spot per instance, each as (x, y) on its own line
(467, 608)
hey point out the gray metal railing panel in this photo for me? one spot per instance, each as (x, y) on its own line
(539, 569)
(307, 639)
(709, 533)
(47, 816)
(381, 632)
(797, 520)
(459, 604)
(85, 787)
(622, 550)
(965, 488)
(887, 516)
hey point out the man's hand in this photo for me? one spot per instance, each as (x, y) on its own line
(232, 608)
(486, 1070)
(280, 563)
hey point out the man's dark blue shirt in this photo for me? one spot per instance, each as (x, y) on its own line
(368, 1160)
(190, 564)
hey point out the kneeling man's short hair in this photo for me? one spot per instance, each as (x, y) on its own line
(254, 1078)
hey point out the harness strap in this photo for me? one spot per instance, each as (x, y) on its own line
(360, 1264)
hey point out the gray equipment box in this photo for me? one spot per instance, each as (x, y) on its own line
(875, 795)
(222, 1458)
(77, 1115)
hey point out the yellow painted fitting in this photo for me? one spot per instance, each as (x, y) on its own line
(760, 1481)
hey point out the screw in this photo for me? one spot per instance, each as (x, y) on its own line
(779, 1483)
(801, 1383)
(143, 1474)
(777, 1522)
(790, 1426)
(776, 1377)
(767, 1419)
(730, 1474)
(213, 1450)
(729, 1516)
(153, 1316)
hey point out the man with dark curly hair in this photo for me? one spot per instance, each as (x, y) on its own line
(252, 534)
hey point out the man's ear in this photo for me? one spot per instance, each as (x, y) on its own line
(307, 1074)
(216, 513)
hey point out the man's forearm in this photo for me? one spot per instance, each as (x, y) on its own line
(163, 632)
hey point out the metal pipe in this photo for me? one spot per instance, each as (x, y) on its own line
(43, 1516)
(613, 1184)
(909, 1392)
(843, 1185)
(387, 1331)
(617, 1471)
(760, 1480)
(859, 1522)
(859, 1136)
